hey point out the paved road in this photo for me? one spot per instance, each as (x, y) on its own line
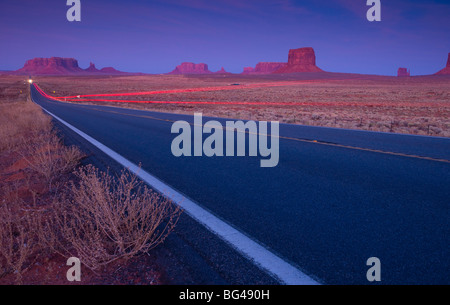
(326, 208)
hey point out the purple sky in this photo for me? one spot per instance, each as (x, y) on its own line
(154, 36)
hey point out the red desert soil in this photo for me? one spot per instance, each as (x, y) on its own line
(137, 271)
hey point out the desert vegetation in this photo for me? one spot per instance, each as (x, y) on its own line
(106, 218)
(50, 206)
(417, 105)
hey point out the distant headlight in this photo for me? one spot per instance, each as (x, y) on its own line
(30, 81)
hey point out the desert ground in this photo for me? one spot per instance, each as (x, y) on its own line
(413, 105)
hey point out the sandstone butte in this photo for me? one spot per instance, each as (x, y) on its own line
(403, 72)
(446, 70)
(191, 68)
(92, 68)
(300, 60)
(222, 71)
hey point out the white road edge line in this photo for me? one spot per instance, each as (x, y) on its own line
(259, 255)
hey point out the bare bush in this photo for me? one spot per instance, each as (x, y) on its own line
(49, 158)
(108, 218)
(26, 135)
(98, 219)
(20, 244)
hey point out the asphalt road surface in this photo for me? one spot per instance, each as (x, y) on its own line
(336, 199)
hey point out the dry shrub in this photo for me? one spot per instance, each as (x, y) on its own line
(20, 239)
(107, 218)
(98, 219)
(26, 134)
(49, 158)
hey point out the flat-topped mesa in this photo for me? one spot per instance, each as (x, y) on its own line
(446, 70)
(54, 65)
(191, 68)
(403, 72)
(300, 60)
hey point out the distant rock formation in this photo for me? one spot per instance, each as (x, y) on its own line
(269, 67)
(104, 71)
(222, 71)
(403, 72)
(63, 66)
(446, 70)
(300, 60)
(51, 66)
(248, 70)
(111, 71)
(92, 68)
(264, 68)
(191, 68)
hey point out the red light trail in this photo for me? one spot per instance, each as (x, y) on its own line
(204, 89)
(229, 103)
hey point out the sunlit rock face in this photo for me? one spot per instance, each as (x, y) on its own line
(300, 60)
(191, 68)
